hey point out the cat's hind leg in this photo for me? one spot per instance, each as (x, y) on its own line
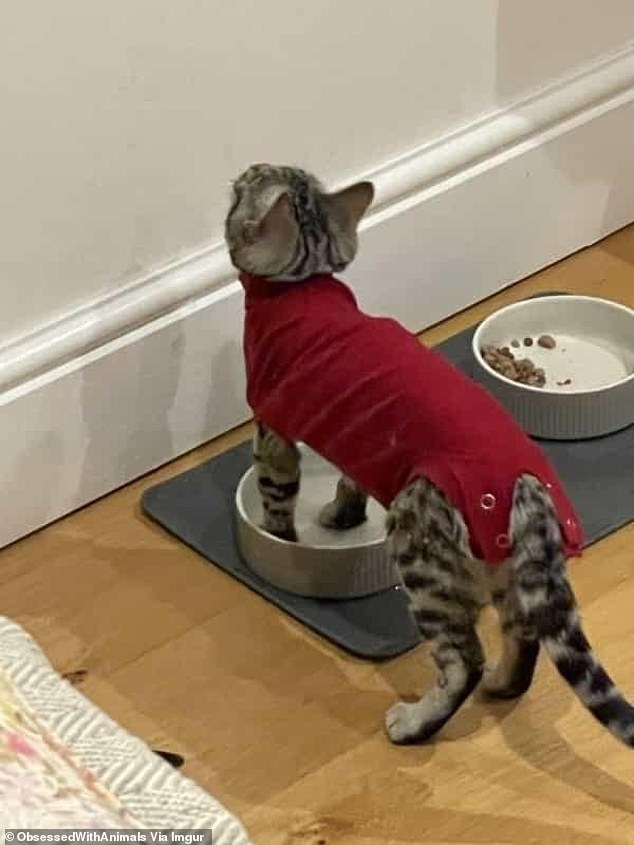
(548, 605)
(348, 508)
(512, 675)
(428, 541)
(277, 465)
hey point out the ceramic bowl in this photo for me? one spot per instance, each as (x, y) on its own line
(589, 389)
(323, 563)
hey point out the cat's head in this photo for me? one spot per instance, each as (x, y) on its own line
(285, 226)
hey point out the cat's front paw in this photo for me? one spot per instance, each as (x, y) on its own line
(339, 517)
(403, 723)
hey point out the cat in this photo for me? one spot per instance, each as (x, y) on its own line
(474, 513)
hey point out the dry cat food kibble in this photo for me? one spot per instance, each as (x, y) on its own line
(546, 341)
(522, 370)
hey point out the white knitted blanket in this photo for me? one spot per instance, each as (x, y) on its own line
(52, 734)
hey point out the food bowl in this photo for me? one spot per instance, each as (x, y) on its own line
(324, 563)
(589, 388)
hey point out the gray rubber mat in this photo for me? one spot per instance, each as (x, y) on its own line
(198, 508)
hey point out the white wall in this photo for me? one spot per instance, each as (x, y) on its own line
(499, 135)
(124, 121)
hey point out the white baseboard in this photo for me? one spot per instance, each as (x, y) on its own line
(119, 388)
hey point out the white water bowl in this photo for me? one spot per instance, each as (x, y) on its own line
(323, 563)
(594, 350)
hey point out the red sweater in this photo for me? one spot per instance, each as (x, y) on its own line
(368, 397)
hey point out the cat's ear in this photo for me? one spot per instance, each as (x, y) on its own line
(275, 220)
(355, 200)
(279, 219)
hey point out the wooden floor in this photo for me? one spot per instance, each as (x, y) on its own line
(285, 729)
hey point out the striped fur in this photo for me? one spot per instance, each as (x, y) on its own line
(429, 543)
(283, 225)
(547, 606)
(277, 468)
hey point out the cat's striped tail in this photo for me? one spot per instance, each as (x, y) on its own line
(548, 606)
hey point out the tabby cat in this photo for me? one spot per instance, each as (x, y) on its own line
(287, 236)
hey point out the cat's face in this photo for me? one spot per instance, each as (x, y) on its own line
(283, 225)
